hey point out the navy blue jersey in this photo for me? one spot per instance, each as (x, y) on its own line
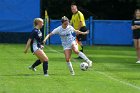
(136, 22)
(136, 32)
(36, 37)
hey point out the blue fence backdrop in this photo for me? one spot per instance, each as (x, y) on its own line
(103, 32)
(18, 15)
(112, 32)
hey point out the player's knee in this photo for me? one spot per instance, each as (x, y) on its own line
(76, 51)
(137, 47)
(67, 59)
(45, 59)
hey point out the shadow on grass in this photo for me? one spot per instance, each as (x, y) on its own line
(12, 75)
(29, 75)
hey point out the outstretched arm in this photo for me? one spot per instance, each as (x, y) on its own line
(83, 33)
(44, 41)
(27, 45)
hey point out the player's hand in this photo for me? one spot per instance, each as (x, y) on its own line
(87, 32)
(133, 27)
(42, 46)
(137, 27)
(77, 33)
(44, 42)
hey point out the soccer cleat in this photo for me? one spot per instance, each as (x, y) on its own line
(31, 68)
(72, 73)
(138, 62)
(46, 75)
(89, 63)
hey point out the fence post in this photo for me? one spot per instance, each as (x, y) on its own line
(90, 30)
(47, 31)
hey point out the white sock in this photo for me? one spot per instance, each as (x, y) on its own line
(82, 55)
(70, 66)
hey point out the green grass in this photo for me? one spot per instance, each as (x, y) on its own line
(114, 71)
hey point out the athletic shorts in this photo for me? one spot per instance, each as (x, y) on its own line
(69, 46)
(82, 37)
(136, 34)
(34, 48)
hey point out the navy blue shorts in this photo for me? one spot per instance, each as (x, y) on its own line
(82, 37)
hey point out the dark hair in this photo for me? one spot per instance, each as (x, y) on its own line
(73, 3)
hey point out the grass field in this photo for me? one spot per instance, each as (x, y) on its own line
(114, 71)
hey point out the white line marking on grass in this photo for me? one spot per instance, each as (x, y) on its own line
(106, 75)
(123, 82)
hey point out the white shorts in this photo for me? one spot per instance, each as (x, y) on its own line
(69, 46)
(35, 48)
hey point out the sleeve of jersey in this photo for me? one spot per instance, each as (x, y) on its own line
(72, 29)
(71, 22)
(32, 35)
(81, 17)
(55, 31)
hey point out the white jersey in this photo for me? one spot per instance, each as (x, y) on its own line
(65, 34)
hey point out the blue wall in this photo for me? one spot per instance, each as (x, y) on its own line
(18, 15)
(106, 32)
(112, 32)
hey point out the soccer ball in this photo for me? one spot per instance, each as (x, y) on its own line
(84, 66)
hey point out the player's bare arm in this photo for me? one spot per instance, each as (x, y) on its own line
(27, 45)
(135, 27)
(50, 34)
(80, 32)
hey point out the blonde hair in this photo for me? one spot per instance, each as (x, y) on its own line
(64, 18)
(36, 20)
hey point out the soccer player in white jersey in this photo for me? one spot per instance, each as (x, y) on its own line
(68, 42)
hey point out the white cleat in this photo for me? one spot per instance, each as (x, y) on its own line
(138, 62)
(31, 68)
(73, 73)
(46, 75)
(89, 63)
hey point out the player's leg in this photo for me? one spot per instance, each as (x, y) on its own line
(67, 53)
(81, 54)
(82, 38)
(34, 48)
(137, 47)
(35, 64)
(42, 56)
(80, 48)
(81, 45)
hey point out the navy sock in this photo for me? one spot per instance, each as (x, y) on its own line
(45, 67)
(38, 62)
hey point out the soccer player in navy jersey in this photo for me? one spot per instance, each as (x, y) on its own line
(136, 32)
(36, 45)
